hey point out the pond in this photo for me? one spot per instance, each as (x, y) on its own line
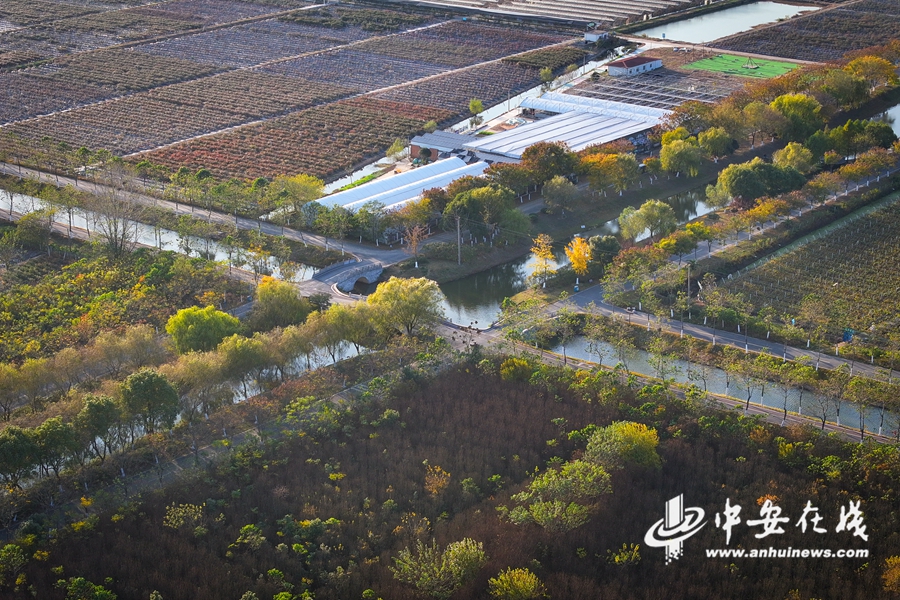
(892, 117)
(478, 296)
(717, 381)
(148, 235)
(722, 23)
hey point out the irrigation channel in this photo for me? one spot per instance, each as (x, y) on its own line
(149, 235)
(720, 382)
(712, 26)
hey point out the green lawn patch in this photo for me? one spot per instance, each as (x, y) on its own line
(742, 66)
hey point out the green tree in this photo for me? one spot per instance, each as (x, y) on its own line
(658, 217)
(631, 224)
(244, 359)
(149, 396)
(681, 157)
(476, 107)
(802, 113)
(559, 194)
(716, 142)
(12, 561)
(95, 425)
(409, 305)
(875, 71)
(545, 160)
(439, 573)
(79, 588)
(516, 584)
(18, 455)
(623, 443)
(794, 155)
(200, 329)
(278, 304)
(291, 193)
(56, 443)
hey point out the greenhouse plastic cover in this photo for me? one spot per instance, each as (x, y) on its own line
(577, 129)
(395, 191)
(563, 103)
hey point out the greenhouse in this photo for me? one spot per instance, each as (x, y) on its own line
(395, 191)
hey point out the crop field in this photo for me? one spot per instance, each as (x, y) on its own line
(740, 66)
(129, 124)
(458, 44)
(170, 99)
(492, 83)
(241, 46)
(851, 269)
(92, 26)
(29, 12)
(239, 92)
(128, 71)
(359, 70)
(552, 58)
(23, 96)
(320, 141)
(824, 35)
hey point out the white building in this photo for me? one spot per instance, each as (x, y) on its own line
(633, 65)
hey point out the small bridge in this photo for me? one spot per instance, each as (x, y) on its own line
(346, 274)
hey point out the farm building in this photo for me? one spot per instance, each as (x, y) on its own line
(633, 65)
(395, 191)
(438, 142)
(576, 129)
(592, 37)
(580, 122)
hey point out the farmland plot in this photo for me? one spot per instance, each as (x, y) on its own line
(352, 68)
(851, 269)
(321, 141)
(129, 124)
(127, 70)
(241, 46)
(23, 95)
(30, 12)
(825, 35)
(492, 83)
(502, 40)
(251, 93)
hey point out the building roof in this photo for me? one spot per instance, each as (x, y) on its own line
(577, 129)
(390, 182)
(633, 61)
(396, 190)
(444, 141)
(562, 103)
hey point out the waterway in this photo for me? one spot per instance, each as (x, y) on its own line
(718, 381)
(712, 26)
(892, 117)
(477, 298)
(148, 235)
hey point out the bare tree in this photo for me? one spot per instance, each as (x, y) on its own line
(116, 209)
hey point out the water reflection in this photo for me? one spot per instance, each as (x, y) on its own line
(478, 297)
(718, 381)
(892, 117)
(715, 25)
(164, 239)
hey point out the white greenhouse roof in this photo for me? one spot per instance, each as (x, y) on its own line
(387, 184)
(577, 129)
(563, 103)
(394, 192)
